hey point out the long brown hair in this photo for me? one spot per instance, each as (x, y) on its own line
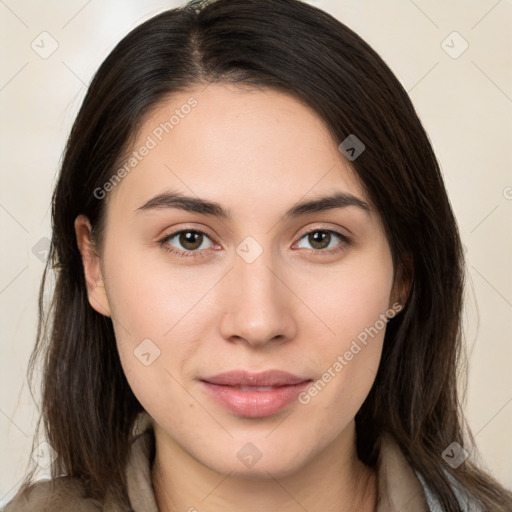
(88, 408)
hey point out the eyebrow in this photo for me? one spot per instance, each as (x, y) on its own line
(211, 208)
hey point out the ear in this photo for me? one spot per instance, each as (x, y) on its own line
(92, 266)
(403, 281)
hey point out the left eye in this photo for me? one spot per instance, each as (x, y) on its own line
(319, 237)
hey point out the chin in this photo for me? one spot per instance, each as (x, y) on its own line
(255, 460)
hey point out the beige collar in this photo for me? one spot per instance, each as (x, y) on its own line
(398, 486)
(399, 490)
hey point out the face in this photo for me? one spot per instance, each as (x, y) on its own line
(193, 294)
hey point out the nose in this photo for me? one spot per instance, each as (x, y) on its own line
(260, 306)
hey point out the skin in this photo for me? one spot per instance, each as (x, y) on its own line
(256, 152)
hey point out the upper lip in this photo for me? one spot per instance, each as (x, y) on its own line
(268, 378)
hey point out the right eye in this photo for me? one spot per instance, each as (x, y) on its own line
(191, 240)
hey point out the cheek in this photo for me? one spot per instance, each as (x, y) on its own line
(353, 305)
(149, 297)
(352, 299)
(159, 313)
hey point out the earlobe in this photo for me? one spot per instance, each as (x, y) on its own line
(91, 262)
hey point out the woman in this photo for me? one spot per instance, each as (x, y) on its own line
(259, 281)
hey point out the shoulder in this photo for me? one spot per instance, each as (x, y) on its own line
(401, 483)
(466, 500)
(61, 494)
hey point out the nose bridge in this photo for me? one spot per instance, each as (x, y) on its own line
(260, 305)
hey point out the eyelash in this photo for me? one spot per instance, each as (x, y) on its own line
(197, 253)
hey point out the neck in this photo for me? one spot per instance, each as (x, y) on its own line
(335, 480)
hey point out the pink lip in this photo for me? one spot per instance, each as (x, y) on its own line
(253, 404)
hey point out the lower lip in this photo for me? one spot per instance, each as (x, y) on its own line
(254, 404)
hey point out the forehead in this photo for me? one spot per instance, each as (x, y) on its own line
(238, 144)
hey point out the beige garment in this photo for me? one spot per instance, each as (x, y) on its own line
(399, 489)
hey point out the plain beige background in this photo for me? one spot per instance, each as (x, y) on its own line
(460, 84)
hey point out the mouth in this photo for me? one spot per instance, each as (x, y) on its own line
(254, 395)
(245, 379)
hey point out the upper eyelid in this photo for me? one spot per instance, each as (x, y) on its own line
(185, 230)
(323, 228)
